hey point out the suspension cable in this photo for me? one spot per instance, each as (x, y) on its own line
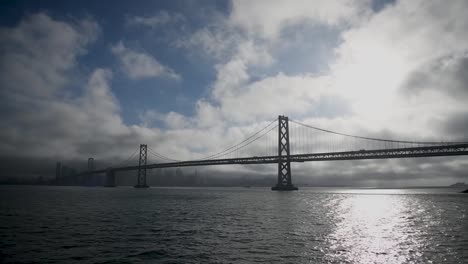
(255, 139)
(238, 144)
(377, 139)
(116, 164)
(157, 154)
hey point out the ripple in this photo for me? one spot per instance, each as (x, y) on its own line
(151, 254)
(232, 226)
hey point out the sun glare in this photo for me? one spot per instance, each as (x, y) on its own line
(372, 229)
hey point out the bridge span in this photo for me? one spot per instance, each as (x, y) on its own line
(392, 149)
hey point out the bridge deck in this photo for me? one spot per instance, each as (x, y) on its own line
(428, 151)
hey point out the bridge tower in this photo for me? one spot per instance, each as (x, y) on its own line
(284, 165)
(141, 177)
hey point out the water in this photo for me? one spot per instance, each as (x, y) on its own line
(231, 225)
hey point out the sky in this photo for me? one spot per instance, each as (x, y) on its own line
(83, 79)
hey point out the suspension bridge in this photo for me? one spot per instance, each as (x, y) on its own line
(282, 142)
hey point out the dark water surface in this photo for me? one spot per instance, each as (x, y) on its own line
(231, 225)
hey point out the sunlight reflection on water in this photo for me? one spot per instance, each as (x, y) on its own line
(382, 229)
(371, 229)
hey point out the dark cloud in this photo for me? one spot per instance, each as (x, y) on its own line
(448, 75)
(40, 117)
(456, 126)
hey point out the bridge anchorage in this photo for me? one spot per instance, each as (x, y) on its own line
(284, 164)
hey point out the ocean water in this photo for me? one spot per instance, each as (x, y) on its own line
(40, 224)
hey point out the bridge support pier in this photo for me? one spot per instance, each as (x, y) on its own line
(141, 176)
(110, 178)
(284, 165)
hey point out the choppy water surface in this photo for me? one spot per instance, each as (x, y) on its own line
(231, 225)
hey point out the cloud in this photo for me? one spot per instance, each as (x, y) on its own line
(214, 42)
(36, 54)
(141, 65)
(172, 120)
(377, 58)
(290, 95)
(455, 126)
(161, 18)
(39, 111)
(370, 66)
(267, 19)
(447, 75)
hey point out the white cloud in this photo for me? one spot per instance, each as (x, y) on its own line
(280, 94)
(371, 66)
(36, 54)
(39, 62)
(171, 120)
(376, 58)
(215, 42)
(159, 19)
(267, 18)
(140, 65)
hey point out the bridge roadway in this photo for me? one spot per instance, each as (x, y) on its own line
(427, 151)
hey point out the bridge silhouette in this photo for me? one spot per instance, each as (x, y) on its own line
(293, 141)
